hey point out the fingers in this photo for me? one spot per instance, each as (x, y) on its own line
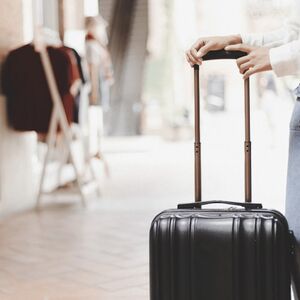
(190, 58)
(246, 66)
(242, 60)
(239, 47)
(205, 49)
(195, 55)
(192, 55)
(198, 44)
(250, 72)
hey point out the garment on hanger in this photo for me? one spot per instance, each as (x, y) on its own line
(29, 103)
(83, 72)
(69, 100)
(84, 76)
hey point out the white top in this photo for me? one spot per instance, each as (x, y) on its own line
(284, 46)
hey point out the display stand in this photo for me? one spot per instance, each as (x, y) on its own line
(59, 120)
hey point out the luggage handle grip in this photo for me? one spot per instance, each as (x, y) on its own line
(223, 54)
(246, 205)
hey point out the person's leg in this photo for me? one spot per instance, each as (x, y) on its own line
(293, 187)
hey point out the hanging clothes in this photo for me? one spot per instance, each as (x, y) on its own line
(29, 103)
(83, 72)
(84, 76)
(69, 100)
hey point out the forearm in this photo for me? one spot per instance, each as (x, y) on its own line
(288, 33)
(235, 39)
(268, 39)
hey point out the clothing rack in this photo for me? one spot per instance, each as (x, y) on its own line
(44, 38)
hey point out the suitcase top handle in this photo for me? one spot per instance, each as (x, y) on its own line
(222, 54)
(247, 206)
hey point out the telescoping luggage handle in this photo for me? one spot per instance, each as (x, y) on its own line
(212, 55)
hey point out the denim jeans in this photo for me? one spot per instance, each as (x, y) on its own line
(293, 185)
(293, 178)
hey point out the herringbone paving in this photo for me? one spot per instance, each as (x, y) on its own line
(74, 254)
(65, 252)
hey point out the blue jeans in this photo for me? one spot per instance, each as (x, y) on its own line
(293, 178)
(293, 185)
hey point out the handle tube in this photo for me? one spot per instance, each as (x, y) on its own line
(197, 150)
(248, 163)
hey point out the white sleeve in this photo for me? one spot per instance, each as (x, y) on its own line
(289, 32)
(285, 60)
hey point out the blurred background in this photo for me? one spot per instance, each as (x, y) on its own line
(76, 202)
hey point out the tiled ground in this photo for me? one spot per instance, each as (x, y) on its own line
(65, 252)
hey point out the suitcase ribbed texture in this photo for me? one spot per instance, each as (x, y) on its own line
(211, 255)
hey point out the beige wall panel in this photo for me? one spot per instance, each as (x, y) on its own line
(11, 23)
(74, 14)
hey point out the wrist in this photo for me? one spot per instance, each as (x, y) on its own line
(235, 39)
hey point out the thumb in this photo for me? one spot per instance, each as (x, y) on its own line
(239, 47)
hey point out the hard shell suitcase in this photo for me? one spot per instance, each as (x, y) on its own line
(238, 253)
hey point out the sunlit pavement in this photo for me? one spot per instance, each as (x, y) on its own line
(101, 252)
(151, 174)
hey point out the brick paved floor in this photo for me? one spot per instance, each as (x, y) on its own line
(66, 252)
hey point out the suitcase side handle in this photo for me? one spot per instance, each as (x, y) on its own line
(223, 54)
(246, 205)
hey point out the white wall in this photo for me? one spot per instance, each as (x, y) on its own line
(17, 166)
(17, 150)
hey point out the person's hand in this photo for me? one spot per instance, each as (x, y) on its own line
(257, 60)
(204, 45)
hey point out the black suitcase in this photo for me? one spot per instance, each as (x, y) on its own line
(237, 253)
